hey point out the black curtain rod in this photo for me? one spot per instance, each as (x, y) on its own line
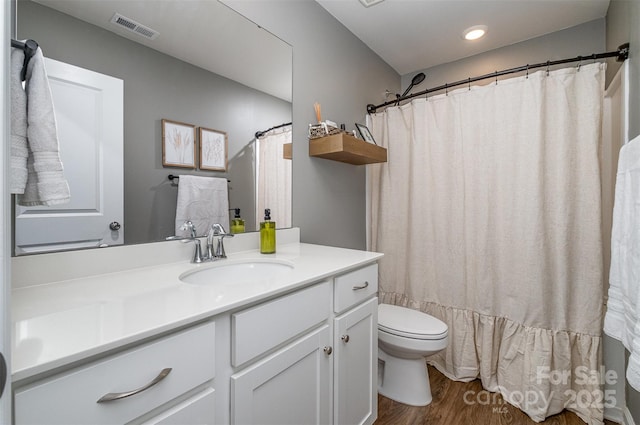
(621, 55)
(262, 133)
(29, 47)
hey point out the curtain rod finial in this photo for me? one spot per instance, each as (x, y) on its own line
(623, 52)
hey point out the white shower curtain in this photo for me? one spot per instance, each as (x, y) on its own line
(488, 212)
(273, 177)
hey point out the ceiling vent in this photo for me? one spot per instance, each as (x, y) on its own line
(133, 26)
(367, 3)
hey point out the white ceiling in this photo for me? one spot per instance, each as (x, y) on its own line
(205, 33)
(411, 35)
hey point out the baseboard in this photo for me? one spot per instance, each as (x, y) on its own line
(628, 419)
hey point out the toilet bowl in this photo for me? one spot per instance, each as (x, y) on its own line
(405, 338)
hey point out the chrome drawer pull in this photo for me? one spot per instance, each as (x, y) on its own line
(356, 288)
(118, 396)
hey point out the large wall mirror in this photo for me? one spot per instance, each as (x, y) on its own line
(208, 67)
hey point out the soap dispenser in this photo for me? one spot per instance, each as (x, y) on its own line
(267, 234)
(237, 224)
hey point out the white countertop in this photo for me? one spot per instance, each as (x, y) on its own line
(59, 323)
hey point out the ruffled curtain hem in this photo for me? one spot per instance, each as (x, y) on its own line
(540, 371)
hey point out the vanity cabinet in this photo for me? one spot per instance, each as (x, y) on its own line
(130, 385)
(303, 361)
(355, 388)
(307, 355)
(291, 385)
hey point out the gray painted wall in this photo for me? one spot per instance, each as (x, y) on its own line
(330, 66)
(157, 86)
(579, 40)
(623, 22)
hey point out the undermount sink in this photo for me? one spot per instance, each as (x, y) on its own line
(236, 271)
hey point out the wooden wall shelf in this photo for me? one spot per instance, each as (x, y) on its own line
(346, 148)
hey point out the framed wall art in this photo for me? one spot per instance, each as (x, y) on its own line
(365, 133)
(213, 149)
(178, 144)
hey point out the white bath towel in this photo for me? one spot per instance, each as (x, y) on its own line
(46, 184)
(204, 201)
(19, 150)
(622, 320)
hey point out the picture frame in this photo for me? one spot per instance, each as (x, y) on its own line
(365, 133)
(178, 144)
(213, 149)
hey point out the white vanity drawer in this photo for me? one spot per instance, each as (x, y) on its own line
(261, 328)
(354, 287)
(71, 397)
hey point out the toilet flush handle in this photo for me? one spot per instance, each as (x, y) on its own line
(356, 288)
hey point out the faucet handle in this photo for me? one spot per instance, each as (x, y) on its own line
(188, 225)
(218, 230)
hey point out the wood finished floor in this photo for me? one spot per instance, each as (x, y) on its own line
(448, 408)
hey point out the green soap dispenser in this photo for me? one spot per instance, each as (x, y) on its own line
(237, 224)
(267, 234)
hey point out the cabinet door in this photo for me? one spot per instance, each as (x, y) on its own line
(292, 386)
(197, 410)
(356, 365)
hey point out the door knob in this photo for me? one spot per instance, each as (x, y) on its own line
(114, 225)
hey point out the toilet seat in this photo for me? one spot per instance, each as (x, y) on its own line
(410, 323)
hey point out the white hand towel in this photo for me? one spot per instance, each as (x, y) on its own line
(46, 184)
(19, 150)
(622, 320)
(204, 201)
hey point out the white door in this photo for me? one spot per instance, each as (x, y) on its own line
(291, 387)
(356, 365)
(89, 115)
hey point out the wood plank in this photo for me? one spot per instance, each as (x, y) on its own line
(346, 148)
(287, 151)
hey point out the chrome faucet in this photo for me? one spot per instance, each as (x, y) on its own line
(197, 253)
(217, 231)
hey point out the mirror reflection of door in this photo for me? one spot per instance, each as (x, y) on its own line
(89, 116)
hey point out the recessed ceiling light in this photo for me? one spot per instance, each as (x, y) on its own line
(474, 32)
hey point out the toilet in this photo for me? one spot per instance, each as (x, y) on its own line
(405, 337)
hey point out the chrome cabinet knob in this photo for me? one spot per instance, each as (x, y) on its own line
(114, 225)
(328, 350)
(345, 338)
